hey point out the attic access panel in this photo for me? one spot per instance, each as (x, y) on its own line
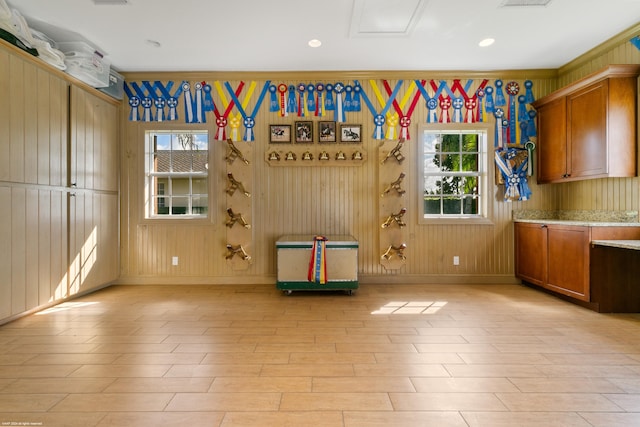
(385, 17)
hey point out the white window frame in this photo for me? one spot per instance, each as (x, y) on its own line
(484, 173)
(150, 175)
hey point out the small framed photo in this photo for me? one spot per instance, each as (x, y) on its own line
(327, 131)
(304, 132)
(350, 133)
(279, 133)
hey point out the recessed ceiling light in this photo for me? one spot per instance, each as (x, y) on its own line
(315, 43)
(486, 42)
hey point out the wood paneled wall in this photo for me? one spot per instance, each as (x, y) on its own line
(56, 240)
(313, 200)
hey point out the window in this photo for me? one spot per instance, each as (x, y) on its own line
(176, 174)
(453, 173)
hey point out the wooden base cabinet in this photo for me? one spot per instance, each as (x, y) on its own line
(557, 256)
(568, 260)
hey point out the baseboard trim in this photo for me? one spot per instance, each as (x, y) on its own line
(363, 279)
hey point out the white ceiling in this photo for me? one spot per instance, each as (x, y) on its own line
(272, 35)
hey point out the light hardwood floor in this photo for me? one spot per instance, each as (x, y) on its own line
(390, 355)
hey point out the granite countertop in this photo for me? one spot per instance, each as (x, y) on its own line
(582, 223)
(579, 217)
(623, 244)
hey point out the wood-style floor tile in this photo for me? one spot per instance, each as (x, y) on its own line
(162, 418)
(452, 401)
(246, 355)
(335, 401)
(283, 418)
(227, 402)
(528, 419)
(404, 419)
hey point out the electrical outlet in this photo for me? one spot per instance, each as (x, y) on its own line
(174, 260)
(456, 260)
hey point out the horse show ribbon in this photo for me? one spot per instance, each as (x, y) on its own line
(356, 105)
(144, 100)
(339, 112)
(379, 117)
(222, 119)
(480, 115)
(292, 107)
(528, 96)
(531, 127)
(302, 107)
(282, 103)
(274, 106)
(444, 102)
(499, 114)
(207, 99)
(500, 99)
(513, 88)
(348, 98)
(319, 100)
(134, 103)
(328, 100)
(193, 103)
(392, 119)
(515, 177)
(235, 120)
(490, 105)
(317, 272)
(249, 119)
(523, 119)
(157, 101)
(431, 102)
(171, 100)
(469, 102)
(311, 99)
(405, 119)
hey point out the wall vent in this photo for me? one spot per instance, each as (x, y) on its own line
(110, 2)
(524, 3)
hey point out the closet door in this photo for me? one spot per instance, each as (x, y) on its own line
(93, 192)
(33, 176)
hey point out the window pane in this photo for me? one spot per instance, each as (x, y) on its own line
(200, 204)
(452, 206)
(470, 185)
(470, 143)
(199, 186)
(469, 163)
(432, 205)
(431, 141)
(470, 206)
(177, 166)
(179, 205)
(452, 173)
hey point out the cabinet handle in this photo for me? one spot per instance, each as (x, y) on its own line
(72, 194)
(543, 226)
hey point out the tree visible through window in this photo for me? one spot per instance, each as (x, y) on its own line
(453, 165)
(177, 168)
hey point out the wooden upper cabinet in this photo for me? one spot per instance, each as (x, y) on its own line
(552, 128)
(588, 129)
